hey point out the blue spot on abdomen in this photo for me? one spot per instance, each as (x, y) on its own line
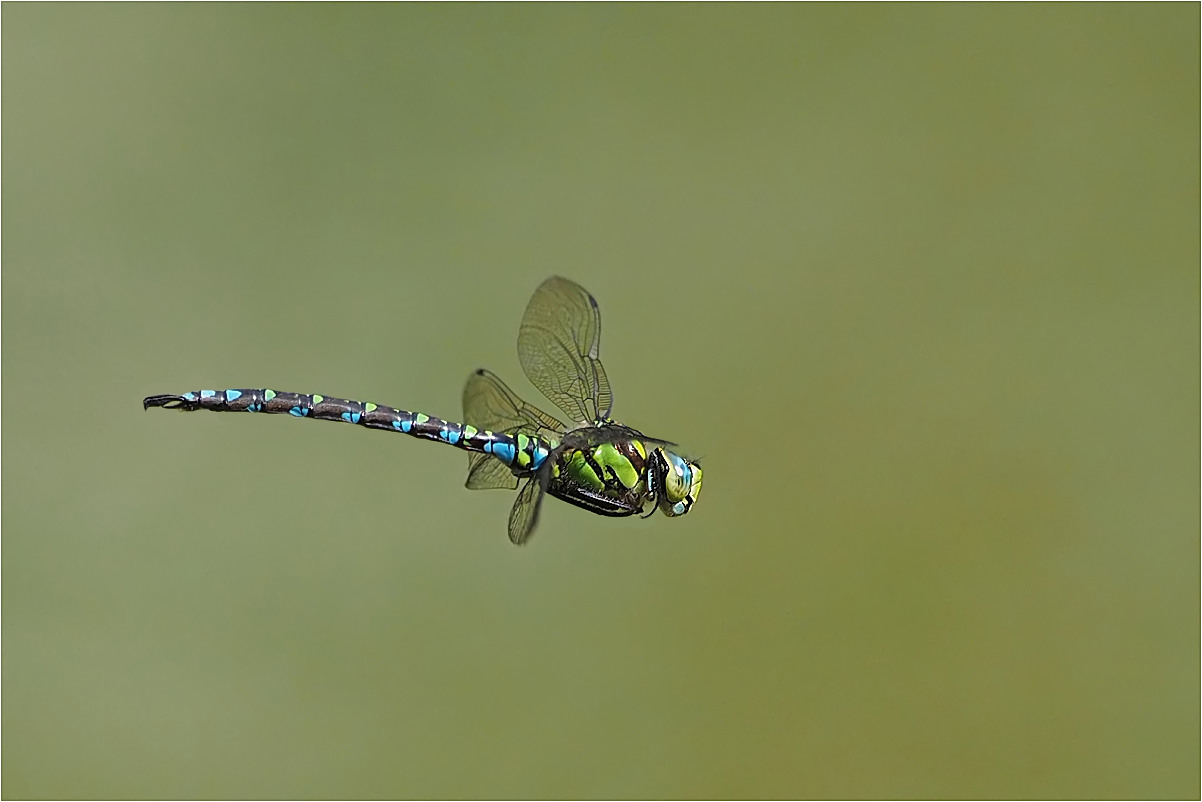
(232, 395)
(503, 451)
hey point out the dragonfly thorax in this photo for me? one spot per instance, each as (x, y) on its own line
(608, 476)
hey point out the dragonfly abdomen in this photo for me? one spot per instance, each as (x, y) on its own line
(521, 453)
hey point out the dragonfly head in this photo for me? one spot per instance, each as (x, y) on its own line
(675, 482)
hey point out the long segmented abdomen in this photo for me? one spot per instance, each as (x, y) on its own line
(521, 453)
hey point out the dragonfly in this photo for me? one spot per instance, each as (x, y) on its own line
(593, 462)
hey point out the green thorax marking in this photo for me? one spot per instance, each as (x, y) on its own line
(608, 468)
(617, 465)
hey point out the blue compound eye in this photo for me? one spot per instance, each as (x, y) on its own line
(677, 478)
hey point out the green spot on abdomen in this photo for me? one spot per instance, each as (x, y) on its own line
(317, 399)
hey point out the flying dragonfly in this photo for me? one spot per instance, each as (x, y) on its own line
(594, 463)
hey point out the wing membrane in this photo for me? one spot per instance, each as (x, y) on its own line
(485, 472)
(491, 406)
(524, 515)
(559, 347)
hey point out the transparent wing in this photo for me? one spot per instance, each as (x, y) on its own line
(559, 347)
(485, 472)
(491, 406)
(524, 515)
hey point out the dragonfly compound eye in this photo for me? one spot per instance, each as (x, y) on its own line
(681, 484)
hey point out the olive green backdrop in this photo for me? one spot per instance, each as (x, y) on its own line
(919, 283)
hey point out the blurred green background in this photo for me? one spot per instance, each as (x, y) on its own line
(920, 284)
